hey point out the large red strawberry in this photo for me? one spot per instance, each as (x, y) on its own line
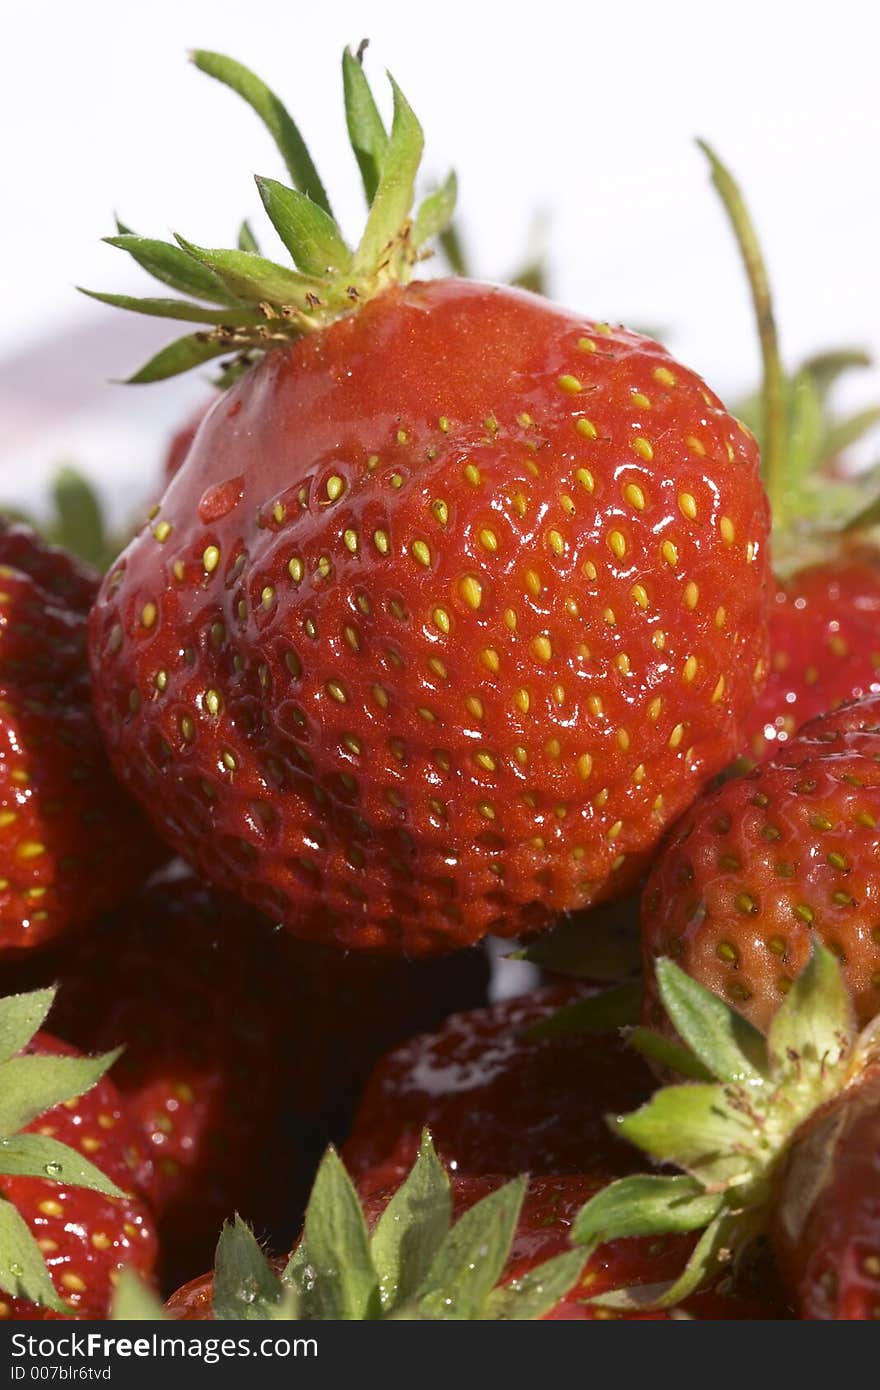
(767, 862)
(825, 615)
(180, 442)
(775, 1136)
(244, 1049)
(497, 1096)
(73, 1174)
(71, 844)
(457, 600)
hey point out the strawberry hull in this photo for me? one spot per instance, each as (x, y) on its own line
(427, 631)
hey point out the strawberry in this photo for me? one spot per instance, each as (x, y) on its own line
(499, 1094)
(769, 861)
(73, 845)
(825, 614)
(777, 1135)
(179, 444)
(68, 1227)
(530, 1272)
(457, 599)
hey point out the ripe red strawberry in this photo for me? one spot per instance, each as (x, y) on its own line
(244, 1049)
(768, 861)
(497, 1099)
(825, 616)
(456, 602)
(71, 844)
(778, 1135)
(180, 442)
(72, 1179)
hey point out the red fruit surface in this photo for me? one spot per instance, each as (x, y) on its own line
(245, 1050)
(759, 866)
(824, 645)
(87, 1238)
(827, 1235)
(71, 843)
(498, 1101)
(452, 608)
(179, 444)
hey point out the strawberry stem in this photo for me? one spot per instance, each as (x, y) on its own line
(774, 384)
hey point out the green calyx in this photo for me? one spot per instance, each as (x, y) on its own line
(802, 440)
(731, 1127)
(29, 1086)
(75, 520)
(415, 1264)
(248, 304)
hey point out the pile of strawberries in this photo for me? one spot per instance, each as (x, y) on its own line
(455, 619)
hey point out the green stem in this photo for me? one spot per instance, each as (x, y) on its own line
(773, 389)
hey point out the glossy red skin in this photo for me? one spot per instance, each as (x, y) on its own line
(421, 805)
(729, 897)
(180, 443)
(86, 1237)
(824, 645)
(71, 843)
(245, 1050)
(497, 1101)
(828, 1242)
(550, 1206)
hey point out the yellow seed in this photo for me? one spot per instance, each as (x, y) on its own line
(553, 748)
(570, 385)
(210, 558)
(555, 542)
(676, 736)
(351, 540)
(336, 692)
(523, 700)
(50, 1207)
(691, 595)
(178, 569)
(689, 670)
(659, 640)
(542, 648)
(73, 1282)
(617, 543)
(335, 487)
(510, 619)
(696, 445)
(486, 761)
(443, 422)
(521, 755)
(654, 708)
(472, 475)
(421, 553)
(567, 504)
(589, 569)
(640, 595)
(643, 449)
(440, 510)
(718, 692)
(586, 429)
(584, 765)
(720, 617)
(402, 437)
(474, 706)
(615, 830)
(533, 582)
(623, 664)
(381, 542)
(488, 540)
(486, 810)
(623, 739)
(608, 616)
(586, 345)
(641, 400)
(669, 551)
(162, 530)
(441, 619)
(639, 774)
(380, 695)
(664, 376)
(687, 505)
(471, 590)
(726, 527)
(634, 496)
(7, 818)
(594, 705)
(491, 660)
(31, 849)
(267, 596)
(213, 701)
(295, 569)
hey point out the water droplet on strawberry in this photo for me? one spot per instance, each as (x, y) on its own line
(219, 501)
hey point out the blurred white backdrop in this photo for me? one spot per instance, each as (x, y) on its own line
(585, 112)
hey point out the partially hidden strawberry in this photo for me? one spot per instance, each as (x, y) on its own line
(769, 861)
(72, 845)
(74, 1171)
(439, 1245)
(457, 599)
(776, 1136)
(825, 614)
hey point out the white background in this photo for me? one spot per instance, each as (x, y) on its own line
(584, 111)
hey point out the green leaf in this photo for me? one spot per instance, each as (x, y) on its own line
(726, 1043)
(38, 1156)
(312, 238)
(180, 356)
(471, 1259)
(702, 1267)
(695, 1128)
(666, 1054)
(394, 195)
(452, 246)
(345, 1282)
(412, 1227)
(253, 278)
(33, 1084)
(605, 1012)
(235, 316)
(23, 1272)
(80, 518)
(245, 1286)
(134, 1301)
(604, 944)
(826, 367)
(436, 211)
(814, 1027)
(538, 1292)
(274, 115)
(644, 1206)
(366, 129)
(21, 1015)
(173, 267)
(866, 517)
(246, 239)
(844, 433)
